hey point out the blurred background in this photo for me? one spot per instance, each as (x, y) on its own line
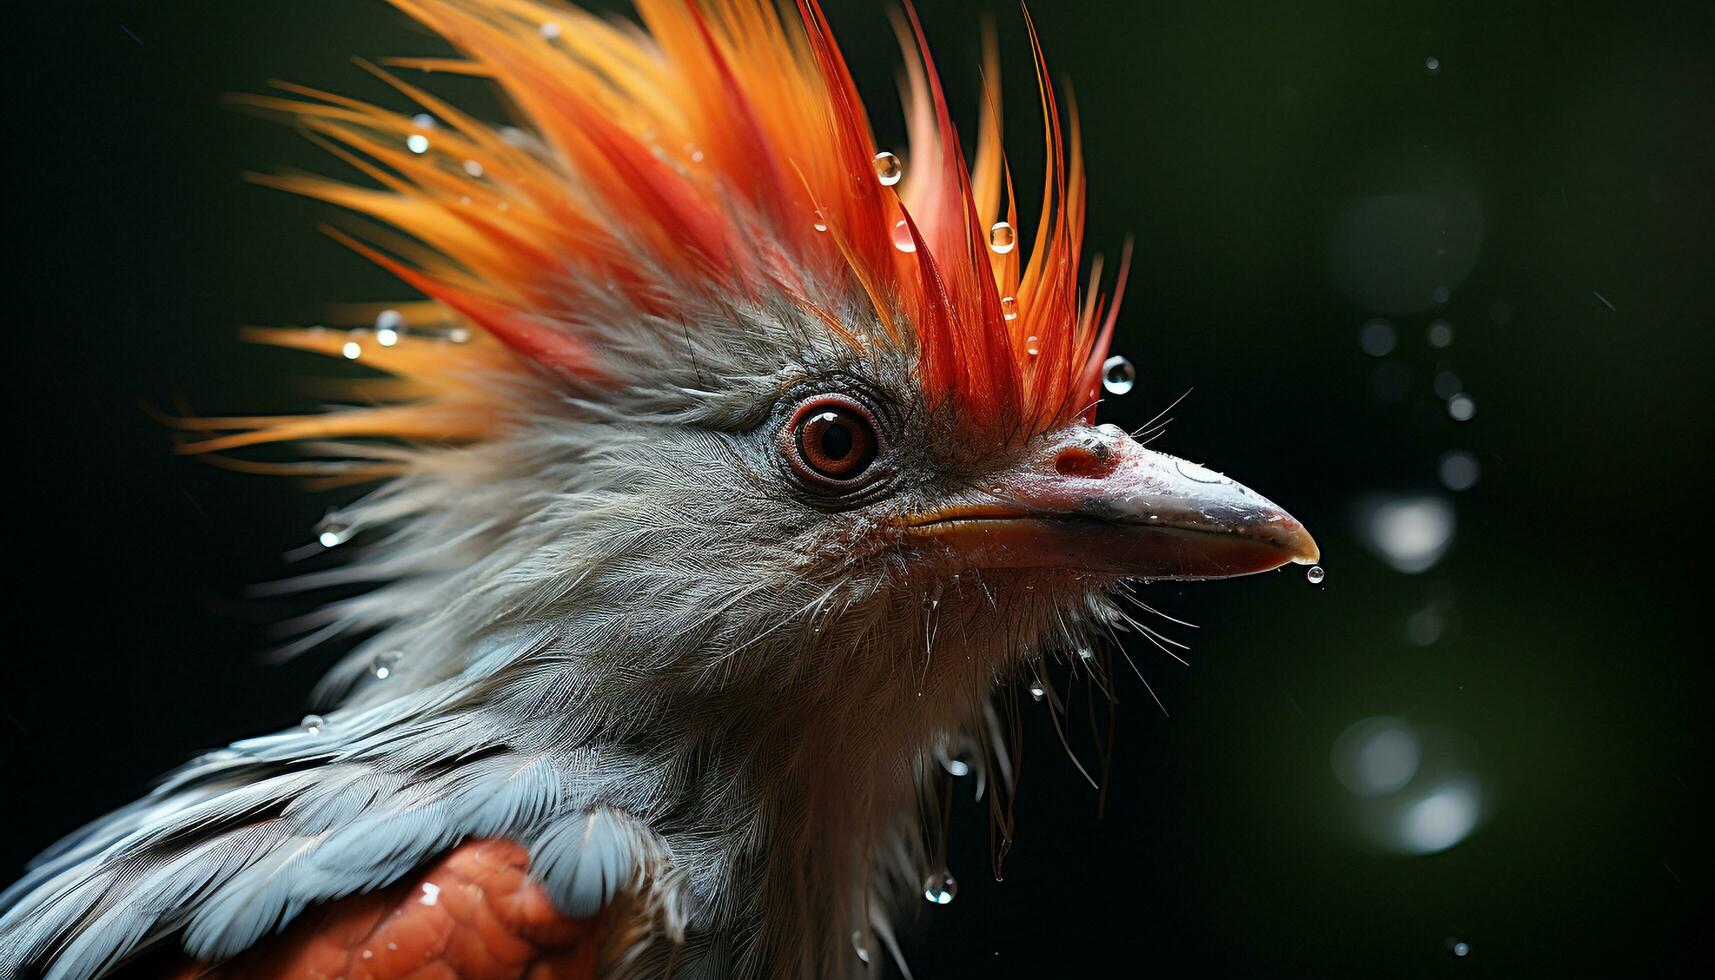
(1437, 278)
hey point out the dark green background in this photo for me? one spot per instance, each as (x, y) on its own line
(1230, 139)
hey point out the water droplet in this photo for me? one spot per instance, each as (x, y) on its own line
(1030, 347)
(858, 947)
(1459, 470)
(1461, 948)
(1037, 691)
(695, 154)
(1118, 375)
(1086, 654)
(459, 335)
(473, 168)
(313, 724)
(431, 894)
(383, 663)
(1425, 626)
(902, 239)
(423, 120)
(888, 169)
(417, 143)
(1002, 238)
(549, 29)
(1462, 407)
(352, 350)
(390, 320)
(821, 222)
(1377, 338)
(1440, 334)
(1009, 307)
(1315, 574)
(331, 533)
(1432, 65)
(387, 338)
(956, 755)
(940, 888)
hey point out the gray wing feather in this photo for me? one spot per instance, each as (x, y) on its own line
(224, 855)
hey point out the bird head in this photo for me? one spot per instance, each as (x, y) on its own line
(707, 393)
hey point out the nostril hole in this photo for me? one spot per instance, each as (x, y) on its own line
(1082, 461)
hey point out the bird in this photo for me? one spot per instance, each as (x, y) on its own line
(723, 480)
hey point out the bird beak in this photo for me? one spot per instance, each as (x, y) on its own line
(1095, 500)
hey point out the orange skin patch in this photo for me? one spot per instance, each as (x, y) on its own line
(473, 915)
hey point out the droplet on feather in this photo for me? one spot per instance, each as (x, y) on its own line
(313, 724)
(352, 350)
(1118, 375)
(550, 29)
(858, 947)
(902, 239)
(473, 168)
(1315, 574)
(431, 894)
(383, 663)
(1030, 347)
(331, 533)
(888, 169)
(1002, 238)
(1009, 307)
(390, 320)
(459, 335)
(417, 143)
(956, 755)
(1037, 691)
(940, 888)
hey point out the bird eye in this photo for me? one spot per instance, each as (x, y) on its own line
(832, 441)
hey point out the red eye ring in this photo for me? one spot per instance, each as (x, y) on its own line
(832, 441)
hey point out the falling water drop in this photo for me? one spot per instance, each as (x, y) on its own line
(1440, 334)
(1460, 948)
(417, 143)
(1462, 407)
(888, 169)
(1002, 238)
(1315, 574)
(1118, 375)
(1432, 65)
(383, 664)
(940, 888)
(313, 724)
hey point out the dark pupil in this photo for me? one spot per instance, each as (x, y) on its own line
(836, 439)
